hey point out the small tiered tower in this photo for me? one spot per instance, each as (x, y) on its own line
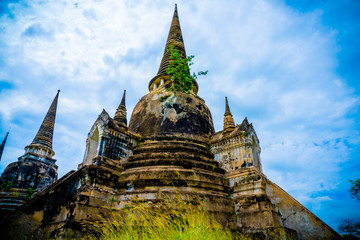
(236, 147)
(109, 141)
(120, 115)
(229, 123)
(34, 170)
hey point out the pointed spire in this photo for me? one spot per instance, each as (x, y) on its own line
(227, 109)
(44, 136)
(245, 121)
(120, 115)
(123, 99)
(175, 39)
(229, 123)
(2, 146)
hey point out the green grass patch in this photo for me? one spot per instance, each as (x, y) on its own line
(175, 219)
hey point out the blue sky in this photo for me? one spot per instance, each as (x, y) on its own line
(291, 67)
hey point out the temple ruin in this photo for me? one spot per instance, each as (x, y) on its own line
(169, 147)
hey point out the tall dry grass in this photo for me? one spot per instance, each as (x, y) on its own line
(171, 219)
(175, 219)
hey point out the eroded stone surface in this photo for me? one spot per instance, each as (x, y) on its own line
(171, 113)
(29, 172)
(260, 204)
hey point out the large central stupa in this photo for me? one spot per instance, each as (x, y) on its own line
(173, 155)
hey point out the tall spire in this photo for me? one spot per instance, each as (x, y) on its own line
(175, 39)
(3, 145)
(227, 109)
(229, 123)
(44, 136)
(120, 115)
(123, 99)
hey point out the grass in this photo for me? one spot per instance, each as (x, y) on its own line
(175, 219)
(170, 219)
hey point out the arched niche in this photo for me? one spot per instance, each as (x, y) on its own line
(92, 146)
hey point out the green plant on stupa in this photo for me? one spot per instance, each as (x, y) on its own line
(179, 70)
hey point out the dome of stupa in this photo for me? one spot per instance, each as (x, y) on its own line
(164, 113)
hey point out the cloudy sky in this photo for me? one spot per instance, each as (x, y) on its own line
(292, 68)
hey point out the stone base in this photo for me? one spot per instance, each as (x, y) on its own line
(270, 233)
(176, 166)
(76, 198)
(95, 190)
(263, 208)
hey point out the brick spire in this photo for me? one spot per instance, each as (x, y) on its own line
(120, 115)
(227, 109)
(44, 136)
(229, 123)
(175, 39)
(3, 145)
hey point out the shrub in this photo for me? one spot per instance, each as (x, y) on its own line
(179, 69)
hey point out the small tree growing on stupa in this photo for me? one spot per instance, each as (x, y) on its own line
(179, 70)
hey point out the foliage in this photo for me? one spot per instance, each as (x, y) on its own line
(29, 194)
(349, 237)
(179, 69)
(5, 186)
(349, 229)
(355, 189)
(169, 219)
